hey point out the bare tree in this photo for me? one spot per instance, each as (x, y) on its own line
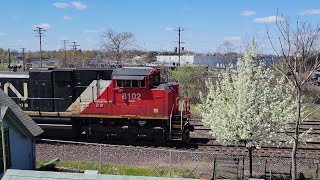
(117, 45)
(297, 45)
(227, 49)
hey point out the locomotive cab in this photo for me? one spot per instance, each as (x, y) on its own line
(139, 92)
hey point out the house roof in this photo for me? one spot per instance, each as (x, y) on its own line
(24, 119)
(12, 174)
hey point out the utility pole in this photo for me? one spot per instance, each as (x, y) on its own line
(74, 47)
(40, 31)
(9, 59)
(65, 53)
(24, 61)
(179, 42)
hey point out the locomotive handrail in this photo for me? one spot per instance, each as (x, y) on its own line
(38, 98)
(170, 127)
(182, 108)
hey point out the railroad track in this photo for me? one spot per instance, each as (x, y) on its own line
(311, 149)
(284, 152)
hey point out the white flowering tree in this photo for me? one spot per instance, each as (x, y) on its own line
(249, 105)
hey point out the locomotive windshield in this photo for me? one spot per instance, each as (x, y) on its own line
(154, 81)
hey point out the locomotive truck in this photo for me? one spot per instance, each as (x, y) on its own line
(125, 103)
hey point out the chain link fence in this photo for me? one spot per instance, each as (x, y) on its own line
(172, 162)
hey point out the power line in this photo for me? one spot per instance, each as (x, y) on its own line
(40, 31)
(74, 47)
(65, 52)
(179, 42)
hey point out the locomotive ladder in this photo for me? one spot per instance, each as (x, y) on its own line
(176, 126)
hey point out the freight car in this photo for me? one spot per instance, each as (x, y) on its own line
(125, 103)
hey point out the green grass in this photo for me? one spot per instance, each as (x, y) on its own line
(121, 169)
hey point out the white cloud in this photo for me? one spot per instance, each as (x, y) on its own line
(269, 19)
(168, 29)
(60, 5)
(79, 5)
(310, 12)
(67, 17)
(232, 38)
(43, 25)
(3, 34)
(91, 31)
(248, 13)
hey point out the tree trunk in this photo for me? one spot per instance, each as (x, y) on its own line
(250, 160)
(296, 136)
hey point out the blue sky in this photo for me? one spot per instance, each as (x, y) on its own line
(206, 23)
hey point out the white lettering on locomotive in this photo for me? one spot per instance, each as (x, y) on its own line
(8, 86)
(131, 96)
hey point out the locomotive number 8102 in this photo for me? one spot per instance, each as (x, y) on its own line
(124, 103)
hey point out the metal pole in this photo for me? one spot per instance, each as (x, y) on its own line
(24, 62)
(179, 30)
(243, 167)
(250, 161)
(170, 163)
(40, 51)
(40, 32)
(214, 175)
(100, 158)
(9, 58)
(179, 43)
(317, 171)
(65, 53)
(265, 168)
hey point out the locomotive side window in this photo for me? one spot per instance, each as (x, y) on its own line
(119, 83)
(143, 83)
(135, 83)
(127, 83)
(131, 83)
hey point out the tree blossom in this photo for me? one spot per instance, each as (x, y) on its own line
(250, 104)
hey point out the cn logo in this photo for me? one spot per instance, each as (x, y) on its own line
(23, 97)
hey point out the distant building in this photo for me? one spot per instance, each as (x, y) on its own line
(211, 61)
(269, 60)
(217, 61)
(46, 62)
(19, 132)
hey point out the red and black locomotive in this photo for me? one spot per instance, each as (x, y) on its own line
(128, 103)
